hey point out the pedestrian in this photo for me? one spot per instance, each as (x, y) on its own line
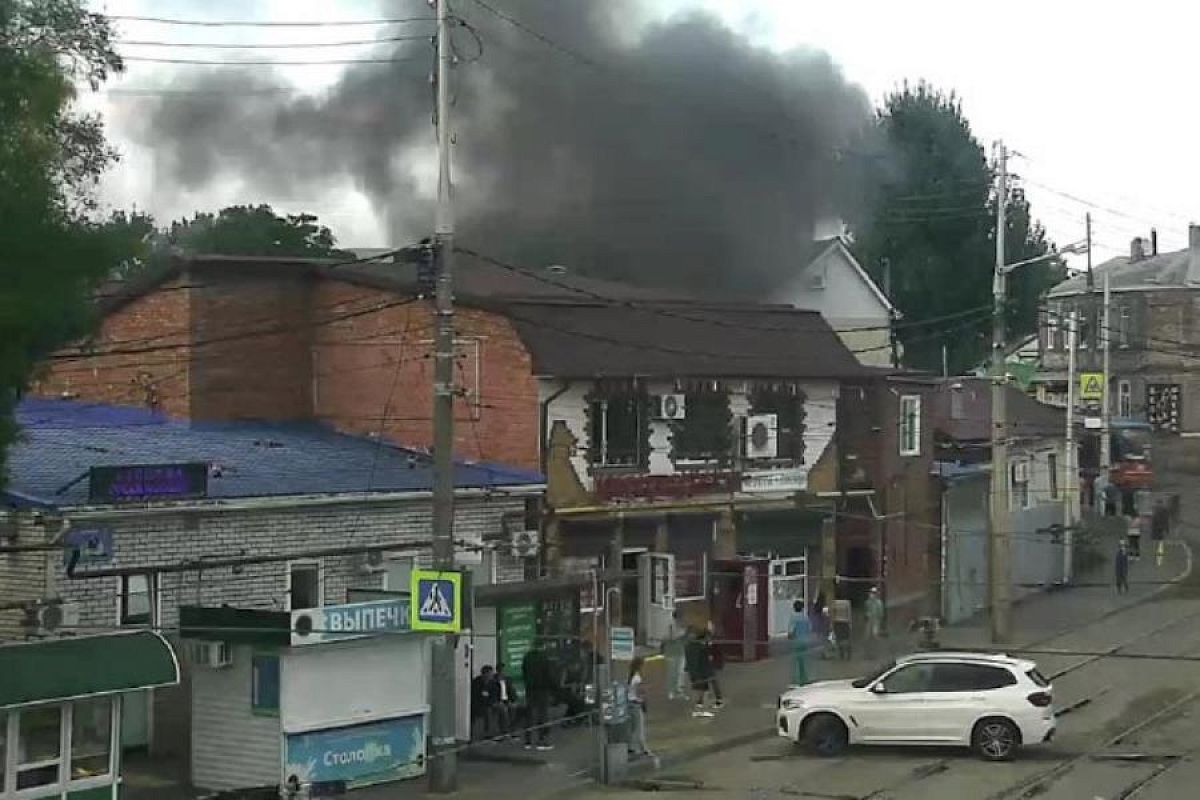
(800, 632)
(1134, 536)
(674, 644)
(1109, 493)
(482, 701)
(874, 613)
(1121, 567)
(701, 670)
(1160, 526)
(505, 697)
(636, 697)
(541, 686)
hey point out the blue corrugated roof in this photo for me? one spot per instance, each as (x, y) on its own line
(62, 439)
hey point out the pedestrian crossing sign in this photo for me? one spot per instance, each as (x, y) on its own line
(436, 601)
(1091, 386)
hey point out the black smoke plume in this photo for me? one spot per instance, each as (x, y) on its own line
(670, 154)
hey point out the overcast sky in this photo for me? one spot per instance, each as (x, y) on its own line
(1093, 96)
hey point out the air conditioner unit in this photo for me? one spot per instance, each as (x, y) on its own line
(1021, 472)
(762, 436)
(50, 616)
(525, 543)
(670, 406)
(372, 563)
(214, 655)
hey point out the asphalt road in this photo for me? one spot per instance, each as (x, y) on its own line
(1131, 679)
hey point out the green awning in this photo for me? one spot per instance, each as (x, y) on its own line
(51, 670)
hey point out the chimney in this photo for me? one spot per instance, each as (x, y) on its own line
(1193, 269)
(1137, 249)
(1154, 241)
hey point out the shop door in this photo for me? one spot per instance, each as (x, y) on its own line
(656, 595)
(788, 583)
(463, 658)
(135, 720)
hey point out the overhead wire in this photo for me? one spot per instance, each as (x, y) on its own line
(242, 23)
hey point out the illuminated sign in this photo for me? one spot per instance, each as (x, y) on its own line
(139, 483)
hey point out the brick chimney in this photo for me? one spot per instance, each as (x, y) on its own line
(1193, 270)
(1137, 249)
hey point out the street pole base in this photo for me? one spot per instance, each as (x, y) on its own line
(443, 771)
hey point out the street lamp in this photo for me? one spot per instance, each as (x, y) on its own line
(1072, 249)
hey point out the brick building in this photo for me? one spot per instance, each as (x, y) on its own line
(671, 429)
(316, 513)
(1154, 327)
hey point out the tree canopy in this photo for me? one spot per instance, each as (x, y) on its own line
(51, 255)
(932, 224)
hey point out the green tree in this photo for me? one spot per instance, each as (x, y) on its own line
(51, 255)
(253, 231)
(932, 222)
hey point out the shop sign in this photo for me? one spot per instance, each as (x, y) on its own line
(350, 621)
(436, 600)
(139, 483)
(359, 755)
(621, 644)
(518, 631)
(679, 485)
(87, 546)
(776, 480)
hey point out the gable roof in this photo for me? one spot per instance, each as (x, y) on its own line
(578, 340)
(823, 246)
(1162, 271)
(62, 439)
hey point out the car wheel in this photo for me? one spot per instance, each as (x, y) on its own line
(996, 739)
(826, 735)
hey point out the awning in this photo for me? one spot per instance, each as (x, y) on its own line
(50, 670)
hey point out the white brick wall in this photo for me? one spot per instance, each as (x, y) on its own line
(174, 537)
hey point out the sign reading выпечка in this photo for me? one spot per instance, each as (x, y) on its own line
(436, 601)
(350, 621)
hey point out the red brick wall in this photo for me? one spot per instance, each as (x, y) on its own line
(253, 334)
(146, 355)
(362, 364)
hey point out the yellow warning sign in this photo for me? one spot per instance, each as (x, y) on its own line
(1091, 386)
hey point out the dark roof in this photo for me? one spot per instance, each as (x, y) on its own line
(583, 340)
(62, 439)
(1162, 271)
(1028, 419)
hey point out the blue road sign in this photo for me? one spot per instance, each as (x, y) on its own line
(437, 600)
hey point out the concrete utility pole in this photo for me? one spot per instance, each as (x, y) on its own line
(443, 764)
(1106, 396)
(1070, 468)
(999, 599)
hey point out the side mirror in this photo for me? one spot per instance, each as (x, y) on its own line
(878, 689)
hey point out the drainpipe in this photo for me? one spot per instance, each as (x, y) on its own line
(544, 424)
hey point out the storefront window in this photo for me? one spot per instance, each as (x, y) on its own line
(91, 737)
(39, 746)
(264, 689)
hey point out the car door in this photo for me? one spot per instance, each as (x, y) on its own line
(962, 693)
(955, 692)
(892, 709)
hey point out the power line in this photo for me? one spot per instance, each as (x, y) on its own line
(272, 45)
(206, 23)
(268, 62)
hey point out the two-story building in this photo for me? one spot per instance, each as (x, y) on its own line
(1154, 330)
(677, 435)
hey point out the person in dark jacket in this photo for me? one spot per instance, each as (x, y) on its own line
(1160, 527)
(541, 687)
(483, 699)
(701, 660)
(1121, 566)
(506, 698)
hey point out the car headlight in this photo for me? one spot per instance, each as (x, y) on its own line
(789, 703)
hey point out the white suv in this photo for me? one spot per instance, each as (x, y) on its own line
(991, 703)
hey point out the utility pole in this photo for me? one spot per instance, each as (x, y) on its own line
(1106, 396)
(443, 764)
(998, 534)
(1071, 468)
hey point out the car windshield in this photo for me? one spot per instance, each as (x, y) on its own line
(875, 675)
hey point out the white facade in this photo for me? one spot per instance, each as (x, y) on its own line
(837, 286)
(571, 407)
